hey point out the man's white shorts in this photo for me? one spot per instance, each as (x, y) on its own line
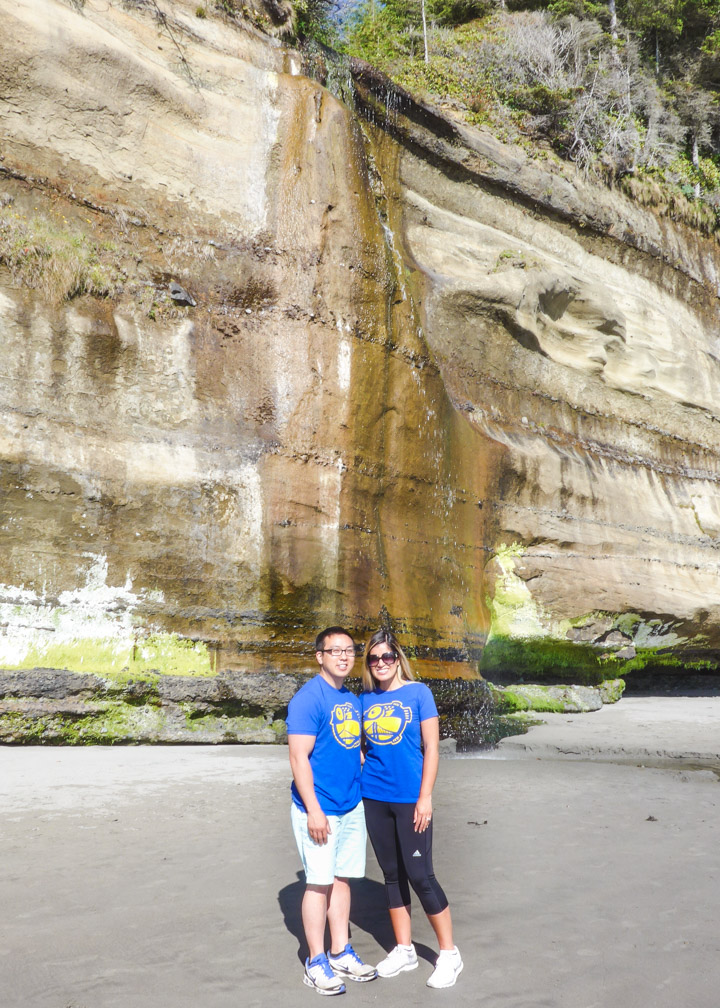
(343, 856)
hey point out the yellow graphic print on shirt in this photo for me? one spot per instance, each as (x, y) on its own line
(385, 723)
(345, 725)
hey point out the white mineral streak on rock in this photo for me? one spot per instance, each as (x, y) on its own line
(244, 524)
(344, 364)
(331, 488)
(94, 611)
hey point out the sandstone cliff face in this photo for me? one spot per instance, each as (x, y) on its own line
(425, 377)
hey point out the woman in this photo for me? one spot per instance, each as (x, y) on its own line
(400, 723)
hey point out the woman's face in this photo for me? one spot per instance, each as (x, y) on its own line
(384, 666)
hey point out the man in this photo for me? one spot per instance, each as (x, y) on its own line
(327, 813)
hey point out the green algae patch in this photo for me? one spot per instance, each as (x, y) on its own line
(611, 690)
(231, 728)
(115, 723)
(122, 659)
(528, 644)
(655, 660)
(509, 701)
(516, 723)
(514, 612)
(541, 659)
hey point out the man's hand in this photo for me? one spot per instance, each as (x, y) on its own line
(318, 827)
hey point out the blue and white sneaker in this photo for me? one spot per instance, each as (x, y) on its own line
(319, 975)
(349, 964)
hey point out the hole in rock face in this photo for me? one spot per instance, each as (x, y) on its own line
(525, 338)
(554, 303)
(666, 681)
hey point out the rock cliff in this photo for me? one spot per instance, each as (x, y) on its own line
(331, 360)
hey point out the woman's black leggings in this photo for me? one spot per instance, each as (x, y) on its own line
(404, 855)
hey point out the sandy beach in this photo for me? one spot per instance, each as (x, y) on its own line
(166, 877)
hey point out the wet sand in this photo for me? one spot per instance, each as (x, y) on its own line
(166, 877)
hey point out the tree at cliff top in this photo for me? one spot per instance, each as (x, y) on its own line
(612, 87)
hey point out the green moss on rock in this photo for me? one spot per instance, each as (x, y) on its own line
(611, 690)
(512, 700)
(115, 722)
(655, 660)
(542, 660)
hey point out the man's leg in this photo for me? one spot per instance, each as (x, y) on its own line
(338, 915)
(350, 863)
(315, 906)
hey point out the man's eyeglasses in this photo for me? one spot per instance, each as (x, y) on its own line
(388, 658)
(337, 651)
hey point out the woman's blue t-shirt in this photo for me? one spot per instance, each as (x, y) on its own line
(393, 757)
(333, 716)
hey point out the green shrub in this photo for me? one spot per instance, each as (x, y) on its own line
(62, 262)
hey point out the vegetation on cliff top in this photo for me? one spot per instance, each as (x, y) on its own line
(627, 90)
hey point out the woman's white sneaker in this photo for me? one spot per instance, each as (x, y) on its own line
(447, 969)
(402, 957)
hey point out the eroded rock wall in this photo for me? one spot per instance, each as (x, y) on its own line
(580, 333)
(278, 457)
(425, 377)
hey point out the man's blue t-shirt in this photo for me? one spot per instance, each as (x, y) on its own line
(333, 717)
(393, 759)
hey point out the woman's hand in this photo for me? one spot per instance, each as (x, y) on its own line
(423, 814)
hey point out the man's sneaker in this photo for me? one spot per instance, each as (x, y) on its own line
(319, 975)
(447, 969)
(402, 957)
(349, 964)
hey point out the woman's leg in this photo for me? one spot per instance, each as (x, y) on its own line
(383, 837)
(416, 854)
(442, 926)
(401, 924)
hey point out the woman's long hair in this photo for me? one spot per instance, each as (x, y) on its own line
(389, 638)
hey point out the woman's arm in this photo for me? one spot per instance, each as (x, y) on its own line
(430, 730)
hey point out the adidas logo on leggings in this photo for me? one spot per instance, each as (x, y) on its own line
(417, 854)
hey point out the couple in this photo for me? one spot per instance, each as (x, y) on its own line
(333, 800)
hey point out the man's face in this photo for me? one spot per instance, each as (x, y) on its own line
(337, 665)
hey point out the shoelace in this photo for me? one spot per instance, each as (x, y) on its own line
(327, 969)
(350, 951)
(322, 962)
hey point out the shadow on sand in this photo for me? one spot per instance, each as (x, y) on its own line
(368, 911)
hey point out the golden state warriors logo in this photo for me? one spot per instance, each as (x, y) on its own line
(385, 723)
(345, 725)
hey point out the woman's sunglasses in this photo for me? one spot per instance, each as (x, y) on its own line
(389, 657)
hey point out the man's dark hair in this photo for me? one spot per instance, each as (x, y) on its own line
(330, 632)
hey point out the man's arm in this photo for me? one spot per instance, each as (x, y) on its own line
(300, 747)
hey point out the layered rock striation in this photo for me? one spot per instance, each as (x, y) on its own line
(354, 362)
